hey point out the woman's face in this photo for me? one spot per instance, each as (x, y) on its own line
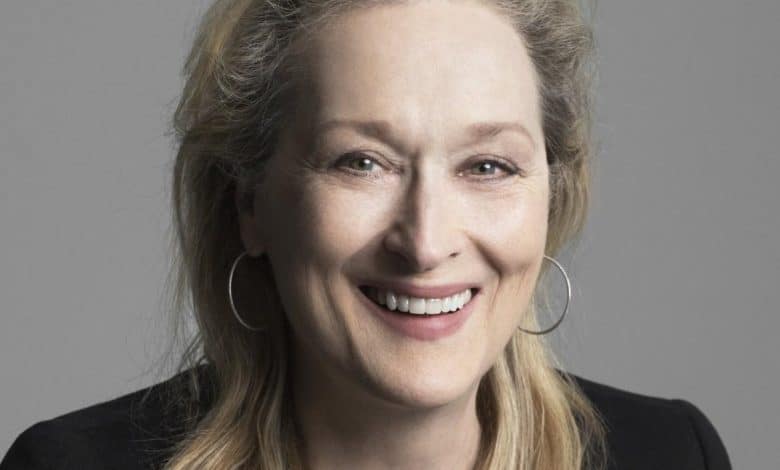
(417, 161)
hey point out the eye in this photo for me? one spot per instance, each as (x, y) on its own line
(490, 167)
(358, 163)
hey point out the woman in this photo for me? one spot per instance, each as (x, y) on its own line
(365, 195)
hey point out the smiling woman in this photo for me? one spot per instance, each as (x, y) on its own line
(365, 195)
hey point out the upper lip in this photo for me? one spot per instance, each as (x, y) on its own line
(412, 290)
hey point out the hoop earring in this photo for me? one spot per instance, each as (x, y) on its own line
(565, 309)
(230, 296)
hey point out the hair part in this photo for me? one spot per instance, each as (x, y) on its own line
(241, 75)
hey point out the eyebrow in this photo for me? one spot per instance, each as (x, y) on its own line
(383, 130)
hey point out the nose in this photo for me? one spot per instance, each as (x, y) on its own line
(425, 231)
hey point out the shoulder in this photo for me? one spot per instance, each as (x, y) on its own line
(132, 431)
(645, 432)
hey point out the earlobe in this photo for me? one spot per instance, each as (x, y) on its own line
(250, 234)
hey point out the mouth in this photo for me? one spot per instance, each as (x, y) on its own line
(417, 306)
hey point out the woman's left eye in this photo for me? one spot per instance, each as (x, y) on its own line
(489, 167)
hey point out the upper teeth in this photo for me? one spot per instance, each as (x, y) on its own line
(421, 306)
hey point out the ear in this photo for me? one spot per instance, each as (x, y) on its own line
(247, 220)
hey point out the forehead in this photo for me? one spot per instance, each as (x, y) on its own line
(422, 64)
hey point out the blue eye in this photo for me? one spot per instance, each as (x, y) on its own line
(490, 167)
(358, 163)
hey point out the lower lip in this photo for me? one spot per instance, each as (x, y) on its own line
(422, 327)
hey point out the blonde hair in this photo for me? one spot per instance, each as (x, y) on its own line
(240, 76)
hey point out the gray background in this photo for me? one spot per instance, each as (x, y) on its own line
(676, 278)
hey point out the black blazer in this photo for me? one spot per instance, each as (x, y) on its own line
(643, 433)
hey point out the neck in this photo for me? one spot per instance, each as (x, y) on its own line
(342, 425)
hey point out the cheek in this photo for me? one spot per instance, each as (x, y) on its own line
(512, 225)
(319, 231)
(316, 231)
(307, 223)
(306, 249)
(514, 232)
(331, 225)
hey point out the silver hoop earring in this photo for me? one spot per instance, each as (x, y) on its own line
(565, 308)
(230, 296)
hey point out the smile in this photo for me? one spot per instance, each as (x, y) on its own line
(417, 305)
(409, 316)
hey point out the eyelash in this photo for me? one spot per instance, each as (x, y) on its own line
(350, 157)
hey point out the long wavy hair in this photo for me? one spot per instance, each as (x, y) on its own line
(240, 82)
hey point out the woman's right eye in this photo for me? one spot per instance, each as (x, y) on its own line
(358, 163)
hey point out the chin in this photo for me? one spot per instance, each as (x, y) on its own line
(424, 388)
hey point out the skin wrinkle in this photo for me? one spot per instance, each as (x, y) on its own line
(383, 130)
(366, 396)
